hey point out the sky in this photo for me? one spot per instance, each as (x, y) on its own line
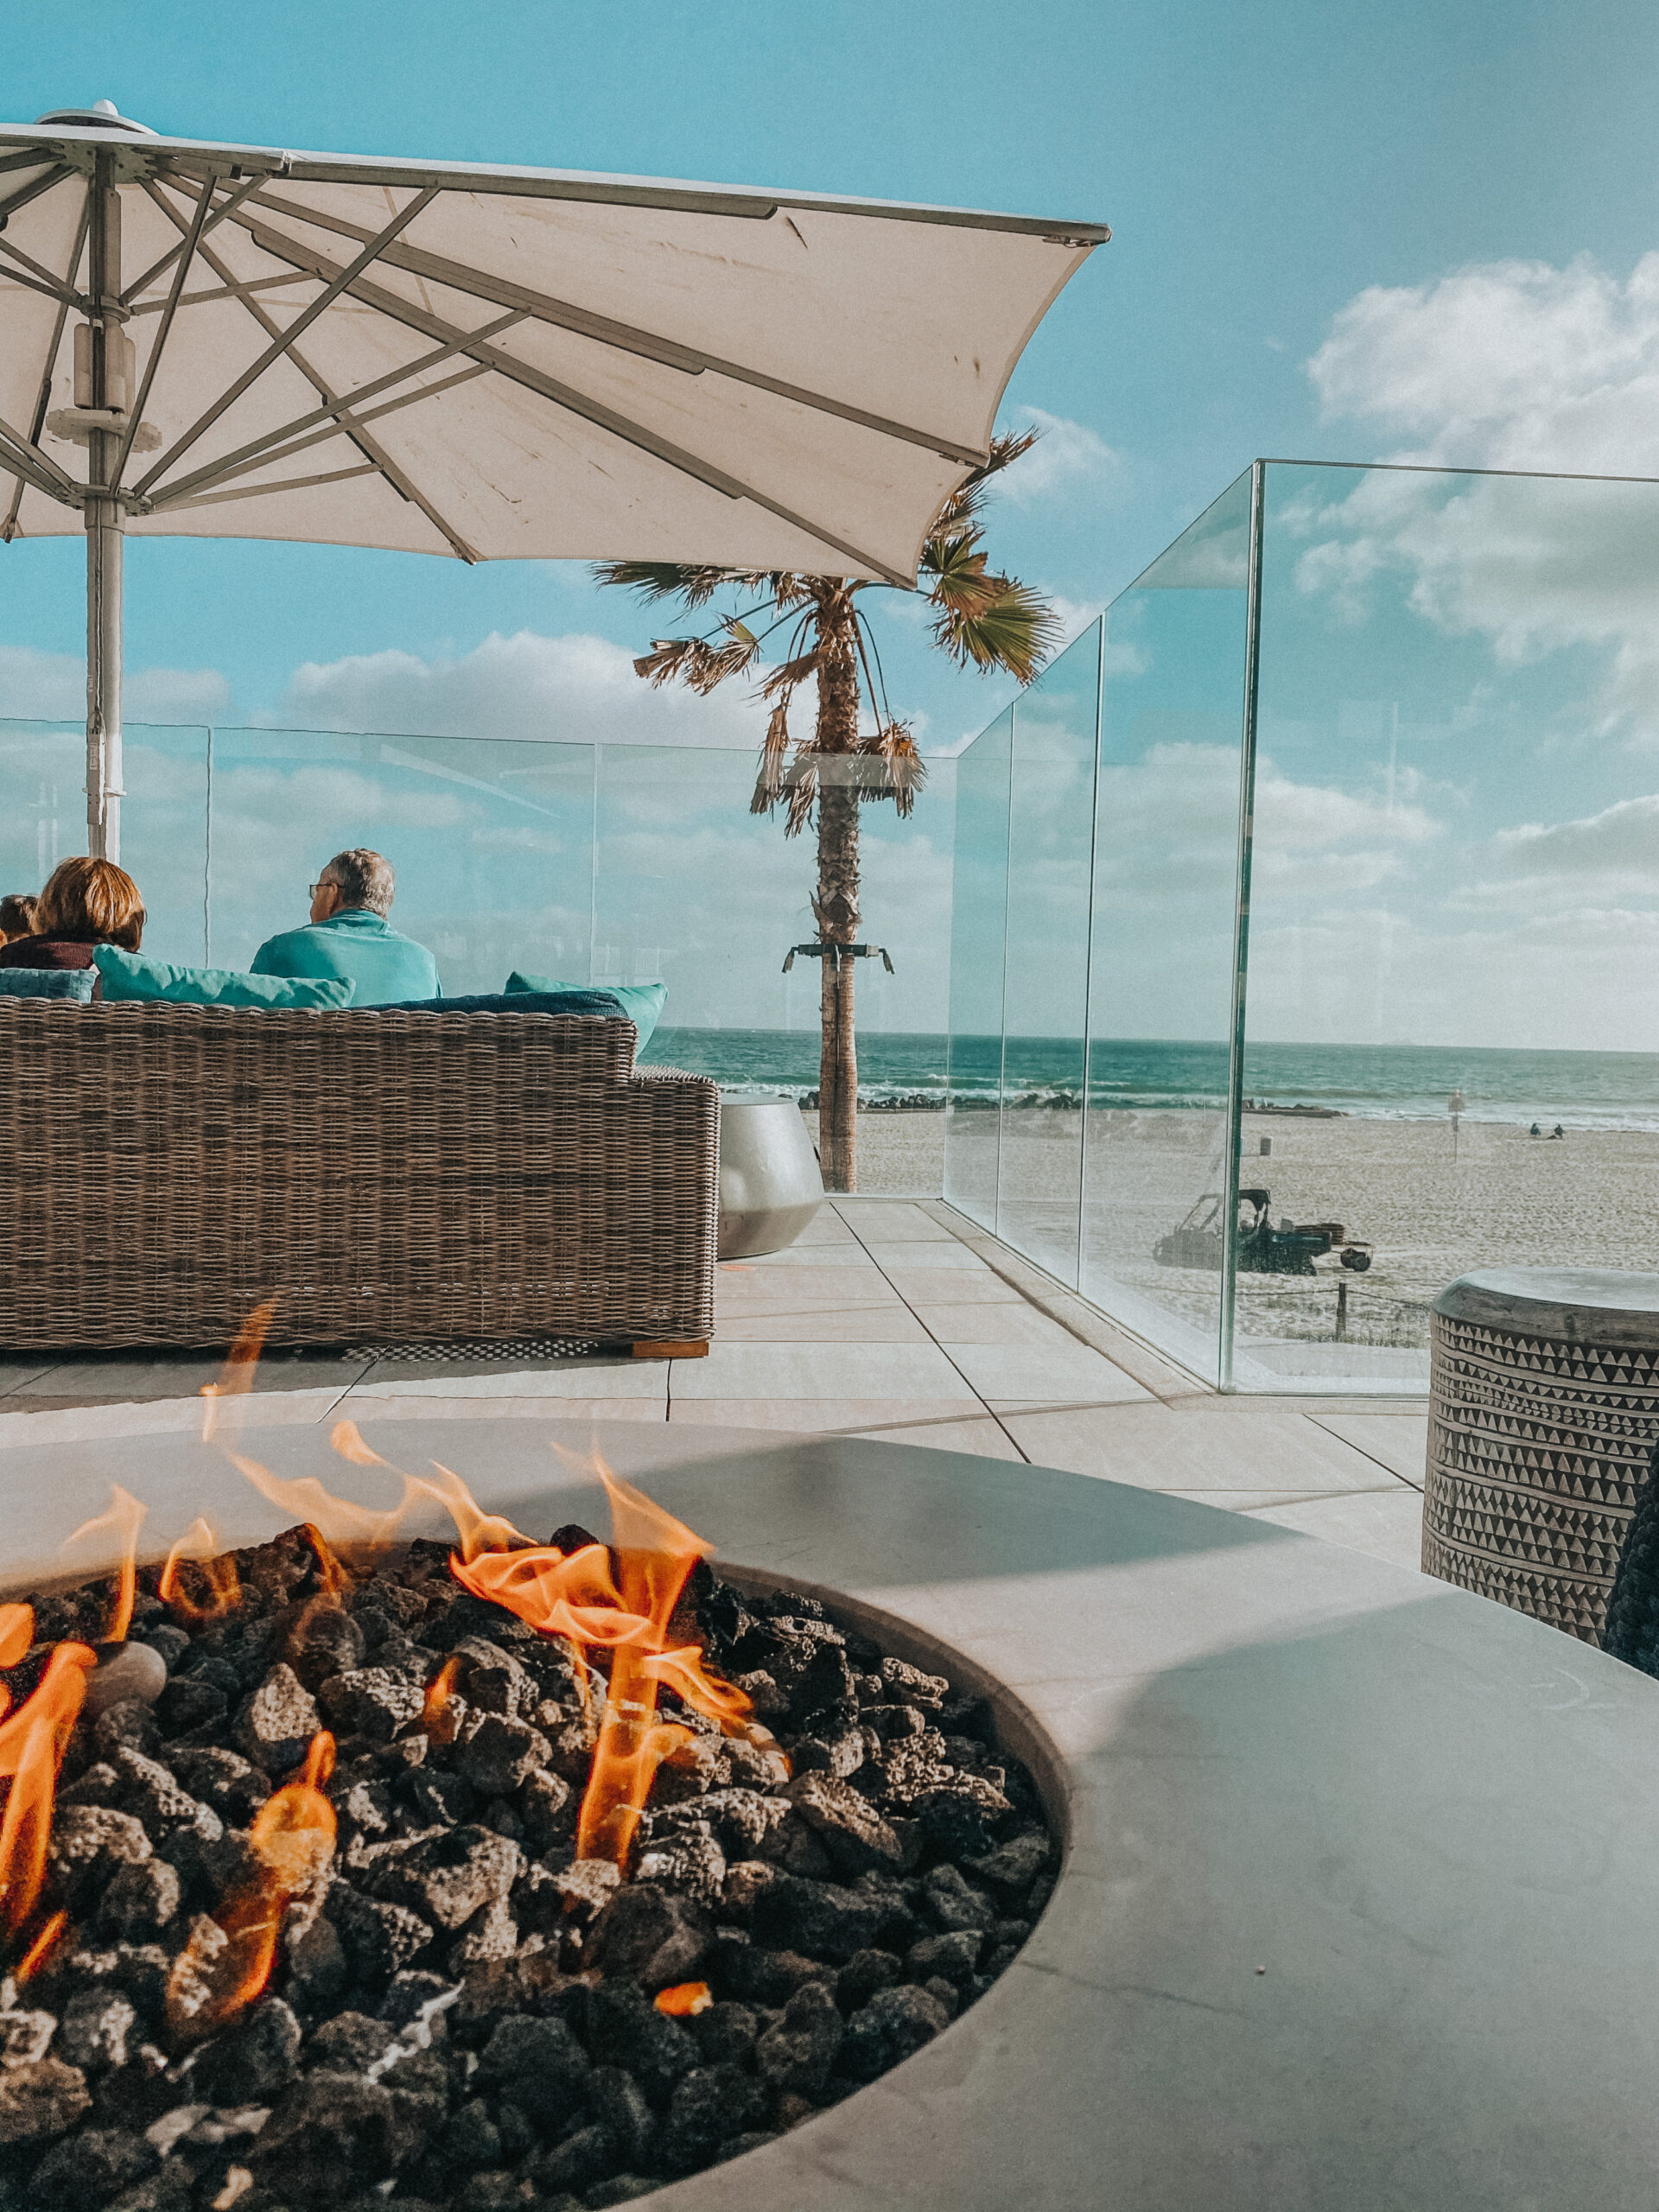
(1339, 233)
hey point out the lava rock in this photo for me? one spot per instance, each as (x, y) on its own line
(412, 1995)
(255, 2061)
(711, 2103)
(957, 1821)
(350, 2043)
(1013, 1866)
(140, 1901)
(758, 1976)
(895, 2023)
(955, 1902)
(90, 2168)
(799, 2053)
(379, 1938)
(586, 1888)
(496, 1754)
(725, 2034)
(492, 1933)
(908, 1685)
(547, 1808)
(539, 2064)
(449, 1878)
(854, 1836)
(837, 1753)
(863, 1975)
(89, 1844)
(952, 1957)
(93, 2032)
(326, 1642)
(329, 2134)
(490, 1679)
(470, 2139)
(127, 1721)
(649, 1935)
(623, 2028)
(819, 1917)
(224, 1780)
(275, 1727)
(373, 1701)
(24, 2036)
(152, 1791)
(622, 2107)
(40, 2099)
(580, 2160)
(172, 1642)
(691, 1863)
(189, 1703)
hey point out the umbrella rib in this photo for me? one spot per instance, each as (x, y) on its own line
(348, 425)
(400, 483)
(44, 280)
(41, 184)
(284, 343)
(563, 315)
(233, 201)
(186, 256)
(591, 410)
(225, 292)
(232, 463)
(42, 398)
(287, 484)
(18, 457)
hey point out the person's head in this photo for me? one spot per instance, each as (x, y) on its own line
(19, 916)
(359, 878)
(92, 902)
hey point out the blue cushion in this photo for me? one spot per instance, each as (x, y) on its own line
(641, 1003)
(579, 1000)
(129, 976)
(48, 983)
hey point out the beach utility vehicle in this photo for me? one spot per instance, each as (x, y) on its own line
(1261, 1247)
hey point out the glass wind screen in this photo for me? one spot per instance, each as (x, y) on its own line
(491, 842)
(164, 835)
(1165, 856)
(1452, 1048)
(1050, 835)
(42, 800)
(978, 935)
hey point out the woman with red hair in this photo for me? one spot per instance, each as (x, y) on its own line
(86, 903)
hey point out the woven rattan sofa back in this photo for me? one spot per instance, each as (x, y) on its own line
(414, 1175)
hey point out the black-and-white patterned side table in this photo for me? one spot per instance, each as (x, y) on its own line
(1543, 1413)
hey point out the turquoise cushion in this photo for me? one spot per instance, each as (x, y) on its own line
(641, 1003)
(602, 1003)
(48, 983)
(129, 976)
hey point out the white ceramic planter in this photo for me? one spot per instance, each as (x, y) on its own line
(770, 1186)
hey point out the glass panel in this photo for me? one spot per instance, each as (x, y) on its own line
(492, 840)
(1455, 899)
(1166, 861)
(1051, 830)
(164, 835)
(42, 800)
(978, 932)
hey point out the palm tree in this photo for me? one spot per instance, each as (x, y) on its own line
(982, 621)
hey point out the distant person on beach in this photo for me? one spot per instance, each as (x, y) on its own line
(348, 937)
(86, 903)
(1536, 1131)
(1558, 1131)
(19, 916)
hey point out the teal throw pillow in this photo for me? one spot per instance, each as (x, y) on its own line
(641, 1003)
(129, 976)
(48, 983)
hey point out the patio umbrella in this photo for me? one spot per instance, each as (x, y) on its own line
(493, 363)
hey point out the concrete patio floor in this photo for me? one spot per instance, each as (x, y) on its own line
(890, 1318)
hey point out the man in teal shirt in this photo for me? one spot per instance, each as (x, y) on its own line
(349, 937)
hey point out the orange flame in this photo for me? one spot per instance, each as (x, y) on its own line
(236, 1376)
(575, 1595)
(32, 1743)
(437, 1708)
(686, 1997)
(41, 1949)
(293, 1837)
(124, 1518)
(215, 1572)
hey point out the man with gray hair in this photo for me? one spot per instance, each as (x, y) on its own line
(350, 937)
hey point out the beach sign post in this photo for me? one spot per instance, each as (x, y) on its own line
(1454, 1106)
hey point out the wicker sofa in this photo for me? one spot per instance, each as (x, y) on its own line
(386, 1176)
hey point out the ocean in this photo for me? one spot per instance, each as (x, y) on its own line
(1610, 1090)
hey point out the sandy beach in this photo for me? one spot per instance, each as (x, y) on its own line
(1503, 1198)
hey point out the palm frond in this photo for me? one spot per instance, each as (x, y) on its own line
(1012, 629)
(769, 783)
(694, 662)
(784, 677)
(906, 770)
(803, 795)
(953, 576)
(966, 504)
(652, 580)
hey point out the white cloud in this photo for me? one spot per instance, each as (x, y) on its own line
(52, 686)
(1506, 364)
(573, 689)
(1616, 851)
(1065, 452)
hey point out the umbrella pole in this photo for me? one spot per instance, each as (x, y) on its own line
(106, 525)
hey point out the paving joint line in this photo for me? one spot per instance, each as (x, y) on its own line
(972, 1392)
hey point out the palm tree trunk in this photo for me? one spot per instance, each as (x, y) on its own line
(837, 909)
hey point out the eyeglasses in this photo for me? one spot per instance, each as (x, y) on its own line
(315, 887)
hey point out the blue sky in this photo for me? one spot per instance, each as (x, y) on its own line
(1261, 166)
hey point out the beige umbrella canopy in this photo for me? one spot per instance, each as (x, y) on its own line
(497, 364)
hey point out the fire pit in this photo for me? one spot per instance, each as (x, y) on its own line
(489, 1874)
(1350, 1857)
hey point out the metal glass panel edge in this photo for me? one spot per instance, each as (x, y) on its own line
(1240, 930)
